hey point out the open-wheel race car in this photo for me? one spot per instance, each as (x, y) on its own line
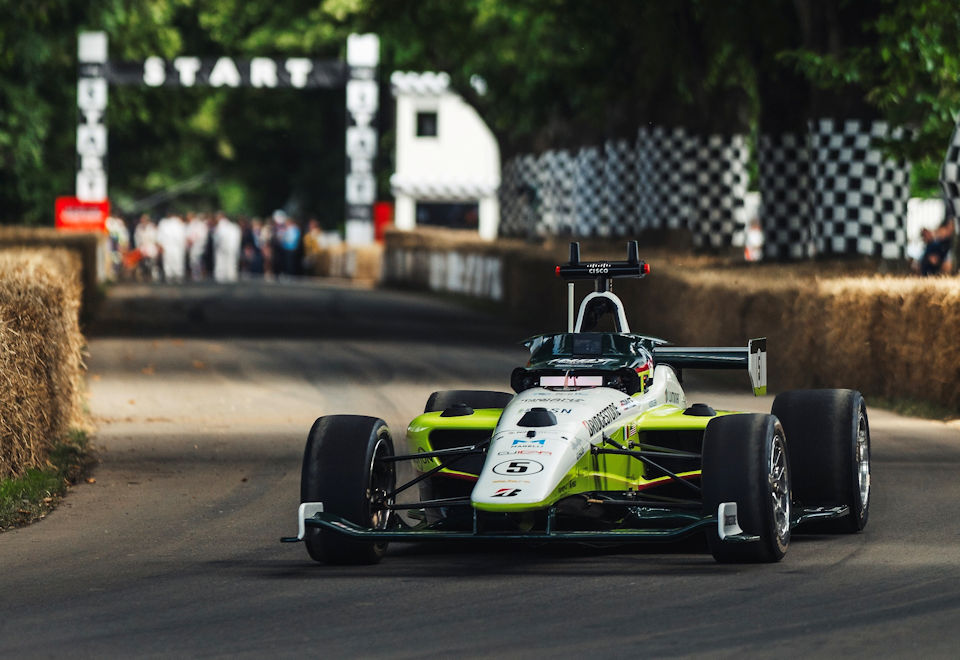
(597, 445)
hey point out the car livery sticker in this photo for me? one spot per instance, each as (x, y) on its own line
(540, 397)
(519, 466)
(528, 441)
(602, 419)
(525, 452)
(576, 362)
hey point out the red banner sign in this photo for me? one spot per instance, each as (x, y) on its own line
(74, 215)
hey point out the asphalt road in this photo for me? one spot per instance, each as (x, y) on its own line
(203, 397)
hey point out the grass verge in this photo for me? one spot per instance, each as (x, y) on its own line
(32, 496)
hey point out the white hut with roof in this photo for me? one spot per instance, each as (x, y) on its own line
(447, 159)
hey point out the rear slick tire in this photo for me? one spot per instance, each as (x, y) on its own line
(745, 460)
(342, 468)
(829, 437)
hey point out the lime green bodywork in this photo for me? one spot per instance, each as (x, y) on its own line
(418, 434)
(591, 473)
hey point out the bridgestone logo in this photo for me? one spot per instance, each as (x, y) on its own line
(602, 419)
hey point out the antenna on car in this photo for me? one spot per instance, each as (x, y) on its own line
(571, 296)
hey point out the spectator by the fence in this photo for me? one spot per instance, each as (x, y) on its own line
(119, 237)
(266, 240)
(279, 226)
(226, 248)
(291, 247)
(251, 262)
(196, 244)
(145, 241)
(937, 256)
(312, 242)
(172, 238)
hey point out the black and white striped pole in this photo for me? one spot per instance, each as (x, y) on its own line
(91, 112)
(363, 56)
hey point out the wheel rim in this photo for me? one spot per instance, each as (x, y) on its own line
(863, 461)
(779, 481)
(381, 484)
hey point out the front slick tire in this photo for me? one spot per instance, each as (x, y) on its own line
(745, 461)
(830, 452)
(343, 468)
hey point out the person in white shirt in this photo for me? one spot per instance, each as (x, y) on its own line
(226, 249)
(145, 240)
(172, 237)
(197, 231)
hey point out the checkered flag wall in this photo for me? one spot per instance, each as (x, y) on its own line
(718, 186)
(588, 187)
(556, 171)
(620, 189)
(950, 174)
(519, 198)
(663, 178)
(666, 179)
(832, 191)
(784, 178)
(859, 196)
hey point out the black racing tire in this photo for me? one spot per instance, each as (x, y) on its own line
(829, 437)
(745, 460)
(443, 399)
(342, 469)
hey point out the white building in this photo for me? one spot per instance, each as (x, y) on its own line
(448, 161)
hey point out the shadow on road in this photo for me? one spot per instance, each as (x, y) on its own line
(294, 309)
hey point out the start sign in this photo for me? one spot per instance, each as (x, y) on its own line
(74, 215)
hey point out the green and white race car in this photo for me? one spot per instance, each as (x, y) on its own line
(597, 445)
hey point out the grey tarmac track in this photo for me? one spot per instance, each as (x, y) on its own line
(203, 396)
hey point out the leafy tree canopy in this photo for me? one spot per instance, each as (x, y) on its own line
(556, 73)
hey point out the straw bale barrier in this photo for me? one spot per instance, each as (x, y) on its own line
(88, 246)
(885, 336)
(40, 354)
(826, 326)
(358, 263)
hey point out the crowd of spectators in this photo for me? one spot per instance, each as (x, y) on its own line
(202, 246)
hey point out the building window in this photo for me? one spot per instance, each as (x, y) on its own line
(426, 124)
(456, 215)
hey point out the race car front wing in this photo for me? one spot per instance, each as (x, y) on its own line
(311, 515)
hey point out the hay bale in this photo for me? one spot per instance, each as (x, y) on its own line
(828, 324)
(90, 247)
(41, 367)
(358, 263)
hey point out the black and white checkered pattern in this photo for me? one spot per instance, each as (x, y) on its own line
(519, 198)
(830, 191)
(619, 176)
(859, 196)
(666, 179)
(664, 186)
(950, 175)
(833, 191)
(784, 178)
(719, 185)
(588, 187)
(556, 171)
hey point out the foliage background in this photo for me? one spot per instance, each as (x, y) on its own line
(557, 72)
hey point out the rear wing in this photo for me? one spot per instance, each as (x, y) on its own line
(753, 358)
